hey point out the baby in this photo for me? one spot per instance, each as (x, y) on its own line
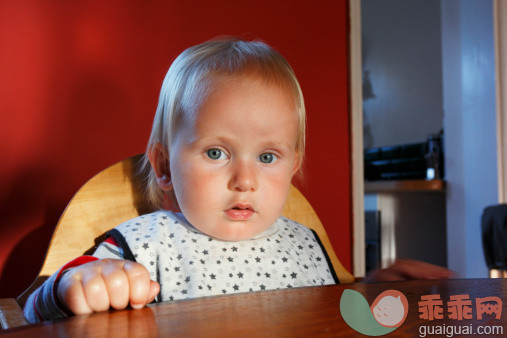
(227, 139)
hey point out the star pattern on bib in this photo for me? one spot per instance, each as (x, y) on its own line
(188, 263)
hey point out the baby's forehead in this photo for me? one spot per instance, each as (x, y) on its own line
(215, 84)
(244, 106)
(239, 89)
(242, 90)
(265, 79)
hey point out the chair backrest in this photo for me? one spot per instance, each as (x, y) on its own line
(494, 239)
(114, 196)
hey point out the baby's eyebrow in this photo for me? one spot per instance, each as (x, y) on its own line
(277, 144)
(211, 139)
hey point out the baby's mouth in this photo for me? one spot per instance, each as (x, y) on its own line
(240, 211)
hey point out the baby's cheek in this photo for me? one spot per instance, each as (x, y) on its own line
(195, 183)
(277, 192)
(207, 189)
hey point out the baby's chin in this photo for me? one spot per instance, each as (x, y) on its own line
(234, 233)
(233, 236)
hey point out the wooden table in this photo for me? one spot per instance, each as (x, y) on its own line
(297, 312)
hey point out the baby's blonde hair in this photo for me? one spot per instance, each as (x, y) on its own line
(191, 78)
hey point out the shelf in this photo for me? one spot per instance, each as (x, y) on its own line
(405, 186)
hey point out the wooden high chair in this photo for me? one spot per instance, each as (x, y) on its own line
(114, 196)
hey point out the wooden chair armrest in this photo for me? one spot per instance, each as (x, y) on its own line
(11, 314)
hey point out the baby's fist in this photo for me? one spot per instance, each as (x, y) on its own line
(106, 283)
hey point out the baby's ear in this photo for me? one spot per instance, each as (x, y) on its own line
(159, 160)
(297, 163)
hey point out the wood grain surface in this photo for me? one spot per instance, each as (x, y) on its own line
(11, 315)
(301, 312)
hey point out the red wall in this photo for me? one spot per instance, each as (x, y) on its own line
(79, 85)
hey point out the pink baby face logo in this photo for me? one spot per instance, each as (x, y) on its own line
(390, 308)
(387, 312)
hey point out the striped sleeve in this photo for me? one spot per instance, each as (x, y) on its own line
(109, 249)
(44, 304)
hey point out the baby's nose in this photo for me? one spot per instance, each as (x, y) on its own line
(243, 177)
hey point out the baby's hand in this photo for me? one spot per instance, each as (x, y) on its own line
(99, 285)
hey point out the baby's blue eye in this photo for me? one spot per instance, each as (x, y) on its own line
(214, 154)
(267, 158)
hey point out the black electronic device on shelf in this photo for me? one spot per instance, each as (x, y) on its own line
(422, 160)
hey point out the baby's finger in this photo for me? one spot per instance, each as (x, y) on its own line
(154, 290)
(117, 284)
(95, 291)
(71, 293)
(139, 284)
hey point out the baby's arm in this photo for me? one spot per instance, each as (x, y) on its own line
(50, 301)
